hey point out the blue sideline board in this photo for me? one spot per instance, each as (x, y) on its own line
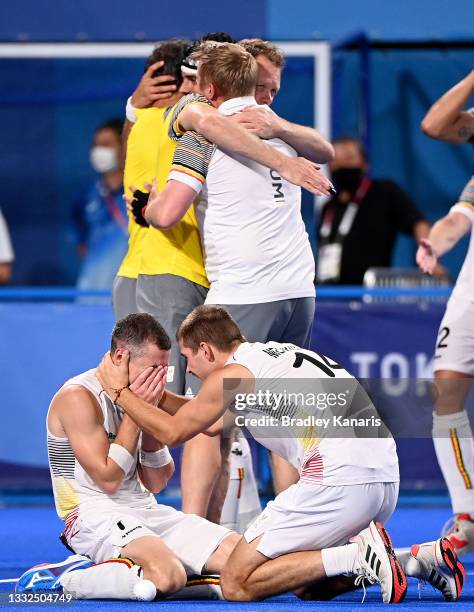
(42, 345)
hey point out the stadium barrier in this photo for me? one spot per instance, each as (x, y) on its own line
(47, 336)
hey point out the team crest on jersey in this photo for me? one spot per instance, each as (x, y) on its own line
(170, 374)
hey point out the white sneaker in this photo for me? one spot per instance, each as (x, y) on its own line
(460, 532)
(438, 564)
(378, 564)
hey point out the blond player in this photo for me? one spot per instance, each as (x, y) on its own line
(348, 478)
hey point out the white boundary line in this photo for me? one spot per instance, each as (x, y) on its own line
(320, 51)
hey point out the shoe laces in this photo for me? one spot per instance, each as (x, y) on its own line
(360, 581)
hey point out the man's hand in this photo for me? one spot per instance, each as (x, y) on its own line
(302, 172)
(150, 384)
(260, 121)
(111, 376)
(150, 89)
(426, 257)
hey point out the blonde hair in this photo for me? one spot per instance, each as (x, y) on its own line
(257, 46)
(211, 324)
(228, 66)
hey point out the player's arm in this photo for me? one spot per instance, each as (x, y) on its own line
(171, 402)
(193, 417)
(233, 138)
(155, 477)
(446, 120)
(81, 419)
(165, 208)
(156, 466)
(150, 89)
(444, 234)
(306, 141)
(185, 180)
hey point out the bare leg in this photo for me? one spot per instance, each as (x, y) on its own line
(249, 575)
(200, 470)
(216, 562)
(284, 474)
(158, 562)
(221, 485)
(451, 390)
(327, 589)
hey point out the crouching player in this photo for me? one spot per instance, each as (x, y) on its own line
(104, 472)
(331, 520)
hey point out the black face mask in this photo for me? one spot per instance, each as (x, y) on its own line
(347, 179)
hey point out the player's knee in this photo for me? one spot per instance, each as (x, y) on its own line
(168, 579)
(235, 587)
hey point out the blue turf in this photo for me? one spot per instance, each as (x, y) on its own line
(28, 535)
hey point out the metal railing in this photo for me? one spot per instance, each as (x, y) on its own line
(343, 292)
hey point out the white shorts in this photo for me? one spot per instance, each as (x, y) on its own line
(455, 343)
(102, 532)
(309, 516)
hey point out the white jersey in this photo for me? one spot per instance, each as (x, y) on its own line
(464, 287)
(314, 414)
(256, 248)
(72, 486)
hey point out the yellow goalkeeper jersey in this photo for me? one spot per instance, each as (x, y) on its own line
(140, 168)
(176, 250)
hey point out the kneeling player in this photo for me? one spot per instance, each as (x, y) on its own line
(104, 472)
(348, 484)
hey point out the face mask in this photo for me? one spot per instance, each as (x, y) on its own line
(103, 159)
(347, 179)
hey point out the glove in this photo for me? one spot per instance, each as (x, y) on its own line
(139, 204)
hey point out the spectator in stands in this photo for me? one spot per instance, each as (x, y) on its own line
(6, 252)
(358, 226)
(101, 215)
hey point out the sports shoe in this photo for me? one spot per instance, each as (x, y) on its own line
(378, 564)
(438, 564)
(46, 576)
(460, 532)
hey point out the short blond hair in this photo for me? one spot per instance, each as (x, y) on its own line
(257, 46)
(228, 66)
(211, 324)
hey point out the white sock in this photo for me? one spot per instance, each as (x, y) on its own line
(249, 506)
(340, 560)
(403, 555)
(230, 508)
(114, 579)
(242, 502)
(454, 446)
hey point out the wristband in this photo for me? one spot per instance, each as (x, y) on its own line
(130, 111)
(122, 457)
(118, 392)
(156, 459)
